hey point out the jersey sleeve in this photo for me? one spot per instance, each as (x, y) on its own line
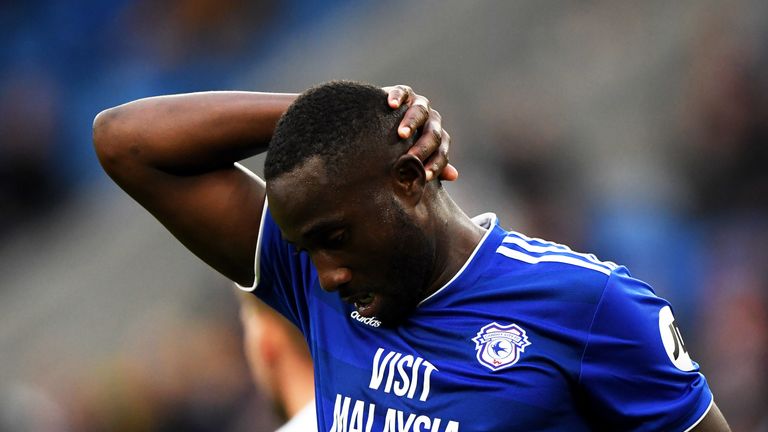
(282, 275)
(636, 372)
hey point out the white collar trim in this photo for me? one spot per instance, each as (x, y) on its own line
(485, 220)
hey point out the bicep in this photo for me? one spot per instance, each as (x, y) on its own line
(633, 380)
(216, 215)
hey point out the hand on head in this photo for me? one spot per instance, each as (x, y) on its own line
(432, 145)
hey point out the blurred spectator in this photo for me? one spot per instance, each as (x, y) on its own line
(30, 180)
(542, 175)
(62, 62)
(734, 327)
(725, 129)
(181, 33)
(179, 374)
(280, 363)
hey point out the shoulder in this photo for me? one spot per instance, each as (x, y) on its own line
(551, 269)
(520, 247)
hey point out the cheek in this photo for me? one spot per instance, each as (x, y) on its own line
(377, 238)
(375, 251)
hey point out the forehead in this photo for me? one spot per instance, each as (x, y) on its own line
(308, 196)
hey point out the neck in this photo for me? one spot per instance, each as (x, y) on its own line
(456, 237)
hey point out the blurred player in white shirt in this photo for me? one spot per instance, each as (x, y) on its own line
(280, 363)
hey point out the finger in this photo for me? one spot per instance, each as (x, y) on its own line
(428, 142)
(416, 116)
(450, 173)
(428, 147)
(438, 160)
(399, 94)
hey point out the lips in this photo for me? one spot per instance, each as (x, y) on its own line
(366, 303)
(364, 299)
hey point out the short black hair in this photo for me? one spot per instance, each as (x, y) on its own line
(337, 121)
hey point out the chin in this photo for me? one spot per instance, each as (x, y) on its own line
(397, 310)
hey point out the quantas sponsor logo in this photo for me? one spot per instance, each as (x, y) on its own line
(371, 321)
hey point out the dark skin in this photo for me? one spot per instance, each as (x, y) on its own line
(175, 155)
(331, 219)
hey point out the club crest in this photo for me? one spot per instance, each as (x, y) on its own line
(499, 346)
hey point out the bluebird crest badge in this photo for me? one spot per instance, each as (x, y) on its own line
(499, 346)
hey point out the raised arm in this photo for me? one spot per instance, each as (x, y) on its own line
(175, 155)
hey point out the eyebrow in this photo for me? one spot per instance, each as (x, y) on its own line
(322, 226)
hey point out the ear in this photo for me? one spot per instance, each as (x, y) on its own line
(409, 178)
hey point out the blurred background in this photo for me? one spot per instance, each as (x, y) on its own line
(635, 130)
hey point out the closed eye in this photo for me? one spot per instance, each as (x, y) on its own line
(335, 240)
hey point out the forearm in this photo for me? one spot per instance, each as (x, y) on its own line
(175, 156)
(189, 133)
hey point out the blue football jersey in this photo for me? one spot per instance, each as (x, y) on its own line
(528, 336)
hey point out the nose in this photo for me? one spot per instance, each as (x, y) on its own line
(331, 274)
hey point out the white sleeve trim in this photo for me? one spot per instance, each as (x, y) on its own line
(706, 411)
(257, 253)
